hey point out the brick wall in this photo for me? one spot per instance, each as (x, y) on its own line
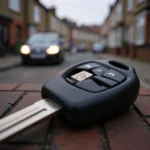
(12, 31)
(132, 52)
(143, 53)
(147, 29)
(112, 51)
(4, 9)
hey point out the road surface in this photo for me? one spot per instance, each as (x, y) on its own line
(41, 73)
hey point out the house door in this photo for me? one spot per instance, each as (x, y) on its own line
(4, 34)
(18, 33)
(4, 38)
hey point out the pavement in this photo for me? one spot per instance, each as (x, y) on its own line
(130, 131)
(142, 68)
(21, 87)
(10, 61)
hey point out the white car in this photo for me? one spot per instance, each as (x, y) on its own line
(97, 48)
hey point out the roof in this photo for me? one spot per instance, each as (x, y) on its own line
(110, 12)
(70, 23)
(96, 29)
(92, 29)
(37, 1)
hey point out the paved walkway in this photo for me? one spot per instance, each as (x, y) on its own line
(142, 68)
(9, 61)
(130, 131)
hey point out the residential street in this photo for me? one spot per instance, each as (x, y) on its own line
(42, 73)
(100, 104)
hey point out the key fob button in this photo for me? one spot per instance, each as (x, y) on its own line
(100, 71)
(83, 75)
(90, 86)
(89, 66)
(114, 75)
(70, 81)
(105, 81)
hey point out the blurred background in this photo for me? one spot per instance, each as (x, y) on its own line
(59, 33)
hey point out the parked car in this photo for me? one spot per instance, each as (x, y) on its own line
(47, 47)
(98, 48)
(82, 47)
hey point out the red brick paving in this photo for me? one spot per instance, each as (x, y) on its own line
(148, 120)
(36, 133)
(27, 100)
(7, 99)
(8, 86)
(128, 132)
(30, 87)
(143, 104)
(144, 91)
(66, 139)
(19, 147)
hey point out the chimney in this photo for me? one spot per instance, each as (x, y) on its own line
(53, 10)
(111, 8)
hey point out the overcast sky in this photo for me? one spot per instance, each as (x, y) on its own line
(82, 11)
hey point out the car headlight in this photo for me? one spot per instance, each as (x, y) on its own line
(52, 50)
(25, 50)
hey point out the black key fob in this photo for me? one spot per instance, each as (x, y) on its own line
(93, 90)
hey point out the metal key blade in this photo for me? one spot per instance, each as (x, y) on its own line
(26, 117)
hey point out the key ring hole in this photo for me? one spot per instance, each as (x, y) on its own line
(119, 65)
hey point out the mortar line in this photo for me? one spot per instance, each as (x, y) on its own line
(104, 137)
(142, 117)
(16, 87)
(13, 105)
(50, 133)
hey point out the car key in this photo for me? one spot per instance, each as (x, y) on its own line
(84, 92)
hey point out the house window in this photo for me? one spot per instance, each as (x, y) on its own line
(119, 12)
(3, 34)
(14, 5)
(32, 30)
(140, 29)
(53, 23)
(139, 1)
(18, 33)
(130, 5)
(118, 37)
(112, 39)
(36, 14)
(130, 35)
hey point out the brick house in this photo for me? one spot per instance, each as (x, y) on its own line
(104, 32)
(127, 28)
(19, 19)
(71, 25)
(136, 22)
(58, 25)
(82, 35)
(35, 17)
(141, 46)
(142, 22)
(95, 28)
(11, 22)
(112, 31)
